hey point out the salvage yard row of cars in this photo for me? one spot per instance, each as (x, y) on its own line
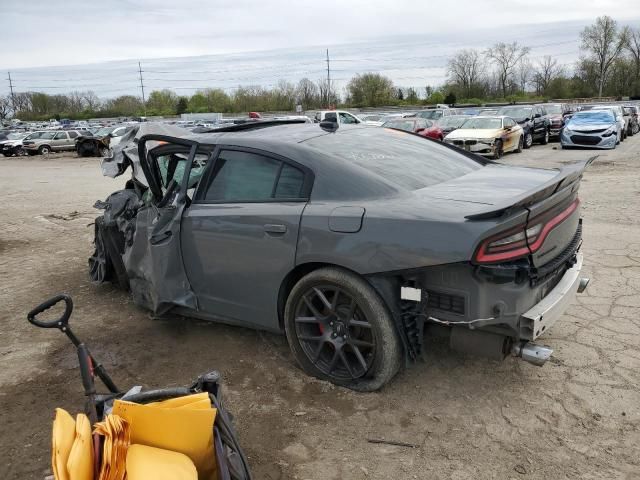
(489, 132)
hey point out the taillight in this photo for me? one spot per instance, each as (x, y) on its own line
(518, 242)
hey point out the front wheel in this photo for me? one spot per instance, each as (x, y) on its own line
(498, 150)
(545, 137)
(528, 140)
(340, 330)
(44, 150)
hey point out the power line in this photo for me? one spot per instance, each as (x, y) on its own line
(13, 98)
(144, 103)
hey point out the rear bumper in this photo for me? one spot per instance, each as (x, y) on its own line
(539, 318)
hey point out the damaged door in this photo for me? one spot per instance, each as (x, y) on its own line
(239, 236)
(154, 260)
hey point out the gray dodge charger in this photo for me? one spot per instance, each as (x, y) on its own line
(355, 242)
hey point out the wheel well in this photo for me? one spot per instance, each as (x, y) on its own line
(291, 279)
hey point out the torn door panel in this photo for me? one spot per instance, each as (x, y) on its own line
(137, 239)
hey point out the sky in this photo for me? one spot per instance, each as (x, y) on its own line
(78, 45)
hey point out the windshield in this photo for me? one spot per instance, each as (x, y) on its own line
(103, 132)
(592, 116)
(407, 125)
(554, 109)
(454, 121)
(483, 123)
(15, 136)
(517, 113)
(405, 160)
(430, 114)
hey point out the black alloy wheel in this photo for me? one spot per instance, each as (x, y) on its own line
(334, 332)
(340, 330)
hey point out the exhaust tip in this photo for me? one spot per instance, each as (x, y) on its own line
(582, 286)
(532, 353)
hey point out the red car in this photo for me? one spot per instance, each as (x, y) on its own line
(421, 126)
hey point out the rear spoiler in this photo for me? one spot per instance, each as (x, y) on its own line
(567, 176)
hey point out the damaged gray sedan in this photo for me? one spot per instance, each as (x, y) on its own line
(355, 242)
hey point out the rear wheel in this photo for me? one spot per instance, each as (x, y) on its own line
(340, 330)
(520, 144)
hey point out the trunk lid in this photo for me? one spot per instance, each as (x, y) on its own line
(499, 194)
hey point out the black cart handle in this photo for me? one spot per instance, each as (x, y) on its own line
(61, 322)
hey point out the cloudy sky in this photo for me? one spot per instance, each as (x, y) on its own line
(50, 33)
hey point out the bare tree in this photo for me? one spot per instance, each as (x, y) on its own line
(506, 57)
(466, 69)
(5, 107)
(524, 74)
(605, 43)
(633, 46)
(546, 71)
(307, 93)
(91, 100)
(328, 95)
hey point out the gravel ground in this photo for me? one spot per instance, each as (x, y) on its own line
(576, 417)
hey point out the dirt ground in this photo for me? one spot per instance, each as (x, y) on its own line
(468, 418)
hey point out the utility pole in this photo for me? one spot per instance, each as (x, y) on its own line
(328, 80)
(144, 103)
(13, 98)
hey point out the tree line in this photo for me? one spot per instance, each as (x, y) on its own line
(609, 65)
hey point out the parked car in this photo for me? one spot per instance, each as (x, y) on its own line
(623, 123)
(451, 123)
(13, 145)
(372, 119)
(533, 120)
(338, 116)
(557, 113)
(98, 143)
(487, 112)
(350, 242)
(490, 136)
(634, 113)
(435, 113)
(423, 127)
(597, 128)
(51, 141)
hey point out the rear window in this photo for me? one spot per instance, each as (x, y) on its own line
(408, 161)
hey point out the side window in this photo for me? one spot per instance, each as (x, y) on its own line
(290, 182)
(331, 116)
(346, 118)
(249, 177)
(73, 134)
(60, 136)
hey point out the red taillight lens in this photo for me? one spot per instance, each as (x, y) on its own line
(517, 242)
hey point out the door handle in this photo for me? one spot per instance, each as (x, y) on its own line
(275, 228)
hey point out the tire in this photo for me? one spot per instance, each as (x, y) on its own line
(20, 152)
(320, 316)
(499, 150)
(545, 137)
(44, 150)
(528, 140)
(520, 144)
(636, 128)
